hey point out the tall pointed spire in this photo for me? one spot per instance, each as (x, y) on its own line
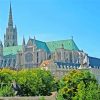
(10, 37)
(10, 21)
(23, 40)
(34, 40)
(1, 44)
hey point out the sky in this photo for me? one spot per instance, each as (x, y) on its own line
(50, 20)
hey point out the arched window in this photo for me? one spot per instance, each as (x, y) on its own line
(8, 37)
(7, 44)
(14, 62)
(13, 44)
(29, 57)
(9, 62)
(13, 37)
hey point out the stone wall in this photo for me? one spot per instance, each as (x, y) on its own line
(52, 97)
(96, 72)
(27, 98)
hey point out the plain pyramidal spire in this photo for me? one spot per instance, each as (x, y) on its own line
(10, 21)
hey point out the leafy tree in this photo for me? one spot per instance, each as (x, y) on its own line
(35, 82)
(32, 82)
(78, 85)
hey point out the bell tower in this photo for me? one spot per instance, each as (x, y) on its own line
(10, 37)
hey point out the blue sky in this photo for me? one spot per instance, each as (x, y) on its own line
(52, 20)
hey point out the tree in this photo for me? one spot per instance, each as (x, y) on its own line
(32, 82)
(35, 82)
(78, 85)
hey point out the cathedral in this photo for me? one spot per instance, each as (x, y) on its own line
(32, 53)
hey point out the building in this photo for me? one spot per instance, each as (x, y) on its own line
(64, 53)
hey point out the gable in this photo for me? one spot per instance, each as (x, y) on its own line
(40, 45)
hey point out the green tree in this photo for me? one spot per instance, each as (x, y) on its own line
(32, 82)
(35, 82)
(78, 85)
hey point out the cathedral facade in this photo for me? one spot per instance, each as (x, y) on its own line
(33, 52)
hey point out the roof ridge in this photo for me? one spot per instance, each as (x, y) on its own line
(59, 40)
(37, 40)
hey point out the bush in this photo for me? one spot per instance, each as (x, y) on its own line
(6, 91)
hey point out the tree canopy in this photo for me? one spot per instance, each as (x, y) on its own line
(78, 85)
(31, 81)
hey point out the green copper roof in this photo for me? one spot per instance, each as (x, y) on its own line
(48, 46)
(11, 50)
(41, 45)
(68, 44)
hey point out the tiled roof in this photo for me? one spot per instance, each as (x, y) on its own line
(68, 44)
(45, 63)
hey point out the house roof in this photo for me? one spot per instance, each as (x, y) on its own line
(68, 44)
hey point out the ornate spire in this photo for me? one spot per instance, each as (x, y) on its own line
(1, 44)
(34, 42)
(10, 21)
(34, 39)
(23, 40)
(62, 46)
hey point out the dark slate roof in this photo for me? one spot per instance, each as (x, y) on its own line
(94, 61)
(66, 64)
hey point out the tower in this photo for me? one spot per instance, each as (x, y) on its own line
(10, 38)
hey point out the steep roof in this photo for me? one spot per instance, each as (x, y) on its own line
(48, 46)
(41, 45)
(11, 50)
(68, 44)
